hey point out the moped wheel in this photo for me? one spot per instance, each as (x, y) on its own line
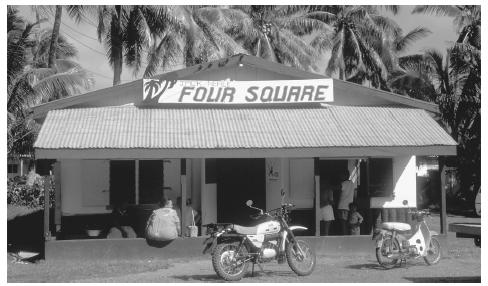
(387, 254)
(301, 257)
(433, 255)
(227, 263)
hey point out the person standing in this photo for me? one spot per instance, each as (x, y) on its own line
(326, 210)
(346, 197)
(355, 219)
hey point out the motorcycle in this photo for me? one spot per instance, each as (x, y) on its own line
(394, 242)
(233, 247)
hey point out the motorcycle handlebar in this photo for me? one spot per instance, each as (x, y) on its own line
(420, 212)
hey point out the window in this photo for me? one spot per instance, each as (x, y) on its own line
(123, 181)
(151, 181)
(381, 177)
(12, 168)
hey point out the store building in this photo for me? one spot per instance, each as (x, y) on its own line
(236, 129)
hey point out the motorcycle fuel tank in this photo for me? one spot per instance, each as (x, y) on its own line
(269, 227)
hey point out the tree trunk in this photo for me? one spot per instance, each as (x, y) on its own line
(54, 37)
(117, 44)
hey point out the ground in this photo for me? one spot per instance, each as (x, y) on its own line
(462, 263)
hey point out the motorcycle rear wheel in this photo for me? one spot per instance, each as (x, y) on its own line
(433, 255)
(301, 257)
(383, 252)
(226, 263)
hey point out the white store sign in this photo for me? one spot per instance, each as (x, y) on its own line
(236, 92)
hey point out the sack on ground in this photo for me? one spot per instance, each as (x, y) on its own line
(161, 226)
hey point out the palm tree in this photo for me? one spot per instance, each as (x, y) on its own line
(205, 34)
(467, 19)
(460, 104)
(276, 33)
(30, 81)
(54, 36)
(356, 37)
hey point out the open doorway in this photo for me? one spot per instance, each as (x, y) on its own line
(239, 180)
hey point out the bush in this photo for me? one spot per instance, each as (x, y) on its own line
(21, 194)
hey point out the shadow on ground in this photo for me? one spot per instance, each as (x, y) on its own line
(202, 278)
(367, 266)
(215, 278)
(462, 279)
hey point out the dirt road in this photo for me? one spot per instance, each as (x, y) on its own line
(329, 269)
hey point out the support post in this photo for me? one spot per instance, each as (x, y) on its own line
(136, 199)
(203, 209)
(183, 195)
(57, 189)
(442, 179)
(316, 168)
(21, 167)
(47, 187)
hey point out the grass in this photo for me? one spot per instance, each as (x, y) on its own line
(52, 271)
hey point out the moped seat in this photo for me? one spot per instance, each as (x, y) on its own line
(397, 226)
(245, 230)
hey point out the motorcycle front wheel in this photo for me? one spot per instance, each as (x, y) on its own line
(386, 253)
(433, 252)
(227, 263)
(301, 257)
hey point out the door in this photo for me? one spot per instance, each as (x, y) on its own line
(122, 182)
(95, 183)
(239, 180)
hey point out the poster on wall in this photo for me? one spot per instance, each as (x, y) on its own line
(157, 92)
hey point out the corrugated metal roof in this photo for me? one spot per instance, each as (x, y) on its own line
(228, 128)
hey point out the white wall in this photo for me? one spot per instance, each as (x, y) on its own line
(404, 185)
(274, 182)
(302, 183)
(72, 185)
(82, 186)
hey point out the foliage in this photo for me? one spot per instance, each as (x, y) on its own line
(20, 194)
(29, 80)
(276, 33)
(453, 81)
(357, 41)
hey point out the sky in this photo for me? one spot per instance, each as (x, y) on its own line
(92, 54)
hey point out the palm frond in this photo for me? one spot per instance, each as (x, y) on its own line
(402, 42)
(438, 10)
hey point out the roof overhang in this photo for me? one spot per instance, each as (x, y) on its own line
(330, 131)
(329, 152)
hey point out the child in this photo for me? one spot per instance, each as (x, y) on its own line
(355, 219)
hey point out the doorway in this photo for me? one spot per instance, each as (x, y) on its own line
(239, 180)
(331, 176)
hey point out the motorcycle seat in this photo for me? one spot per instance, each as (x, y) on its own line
(245, 230)
(397, 226)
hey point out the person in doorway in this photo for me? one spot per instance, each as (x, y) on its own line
(326, 210)
(355, 219)
(189, 217)
(346, 197)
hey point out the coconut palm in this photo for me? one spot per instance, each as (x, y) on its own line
(276, 33)
(467, 20)
(205, 33)
(30, 81)
(357, 31)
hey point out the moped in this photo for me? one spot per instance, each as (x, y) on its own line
(395, 241)
(234, 247)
